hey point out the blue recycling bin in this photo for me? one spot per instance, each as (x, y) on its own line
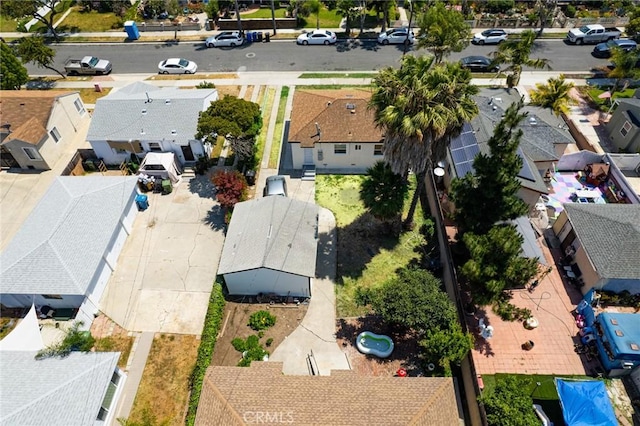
(132, 30)
(142, 201)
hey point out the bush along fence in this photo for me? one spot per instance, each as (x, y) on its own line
(212, 323)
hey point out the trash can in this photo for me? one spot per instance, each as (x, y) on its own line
(142, 202)
(267, 37)
(254, 36)
(166, 186)
(259, 34)
(250, 176)
(132, 30)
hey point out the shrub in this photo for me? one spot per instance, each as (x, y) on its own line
(210, 331)
(261, 334)
(571, 11)
(269, 341)
(205, 85)
(239, 344)
(509, 312)
(261, 320)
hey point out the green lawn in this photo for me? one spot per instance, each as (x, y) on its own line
(605, 103)
(545, 394)
(79, 21)
(367, 258)
(264, 13)
(328, 19)
(266, 100)
(338, 75)
(60, 8)
(277, 134)
(7, 24)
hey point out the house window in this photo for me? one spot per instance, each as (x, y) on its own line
(79, 106)
(32, 153)
(108, 398)
(320, 155)
(626, 127)
(340, 148)
(155, 147)
(55, 134)
(357, 147)
(52, 296)
(377, 149)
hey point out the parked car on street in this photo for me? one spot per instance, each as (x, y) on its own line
(396, 36)
(177, 66)
(479, 64)
(275, 185)
(603, 50)
(225, 39)
(89, 65)
(317, 37)
(490, 36)
(595, 33)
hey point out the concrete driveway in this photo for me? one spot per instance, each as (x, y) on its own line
(166, 269)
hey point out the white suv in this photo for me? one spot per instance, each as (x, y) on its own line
(225, 39)
(490, 36)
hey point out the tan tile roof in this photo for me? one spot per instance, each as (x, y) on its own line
(337, 123)
(236, 396)
(27, 111)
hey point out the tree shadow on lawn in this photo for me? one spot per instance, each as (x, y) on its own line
(361, 241)
(405, 351)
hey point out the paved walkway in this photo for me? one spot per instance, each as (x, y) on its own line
(140, 353)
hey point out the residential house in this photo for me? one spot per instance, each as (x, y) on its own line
(64, 252)
(332, 131)
(141, 118)
(624, 125)
(79, 389)
(37, 126)
(262, 394)
(271, 247)
(545, 138)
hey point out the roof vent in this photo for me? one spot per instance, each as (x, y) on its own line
(353, 111)
(144, 112)
(142, 131)
(349, 95)
(174, 132)
(533, 121)
(351, 106)
(167, 102)
(329, 103)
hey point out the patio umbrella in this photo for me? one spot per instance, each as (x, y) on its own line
(605, 95)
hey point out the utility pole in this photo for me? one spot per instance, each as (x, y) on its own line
(238, 17)
(273, 17)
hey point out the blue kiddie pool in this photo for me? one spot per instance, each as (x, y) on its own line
(374, 344)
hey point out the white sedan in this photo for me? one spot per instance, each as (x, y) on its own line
(225, 39)
(177, 66)
(317, 37)
(396, 36)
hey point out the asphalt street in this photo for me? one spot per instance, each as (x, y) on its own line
(352, 55)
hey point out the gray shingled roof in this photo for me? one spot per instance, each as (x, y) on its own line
(610, 234)
(59, 246)
(53, 391)
(274, 232)
(119, 115)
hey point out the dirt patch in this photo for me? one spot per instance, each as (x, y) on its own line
(164, 389)
(234, 324)
(404, 354)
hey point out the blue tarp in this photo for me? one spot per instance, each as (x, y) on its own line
(585, 403)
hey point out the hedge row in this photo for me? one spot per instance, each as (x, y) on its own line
(212, 323)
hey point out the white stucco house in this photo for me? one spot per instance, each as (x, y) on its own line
(141, 118)
(67, 248)
(271, 247)
(37, 126)
(332, 131)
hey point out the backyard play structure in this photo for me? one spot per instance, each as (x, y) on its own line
(374, 344)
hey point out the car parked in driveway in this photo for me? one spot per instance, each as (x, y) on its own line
(479, 64)
(317, 37)
(177, 66)
(603, 50)
(490, 36)
(225, 39)
(275, 185)
(396, 36)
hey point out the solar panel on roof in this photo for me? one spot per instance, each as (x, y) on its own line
(525, 172)
(464, 149)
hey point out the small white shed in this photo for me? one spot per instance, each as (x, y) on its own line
(271, 247)
(161, 165)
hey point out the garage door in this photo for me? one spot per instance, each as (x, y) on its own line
(116, 247)
(101, 278)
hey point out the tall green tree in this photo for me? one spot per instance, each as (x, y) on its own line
(490, 194)
(45, 11)
(545, 9)
(442, 31)
(633, 27)
(554, 95)
(496, 263)
(414, 300)
(516, 54)
(13, 73)
(33, 50)
(625, 68)
(348, 9)
(420, 108)
(509, 403)
(383, 192)
(314, 7)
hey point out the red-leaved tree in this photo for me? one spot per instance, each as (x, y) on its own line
(231, 188)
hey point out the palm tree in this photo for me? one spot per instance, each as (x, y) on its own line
(625, 67)
(421, 108)
(517, 54)
(383, 192)
(314, 6)
(348, 9)
(554, 95)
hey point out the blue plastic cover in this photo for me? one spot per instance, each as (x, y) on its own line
(585, 403)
